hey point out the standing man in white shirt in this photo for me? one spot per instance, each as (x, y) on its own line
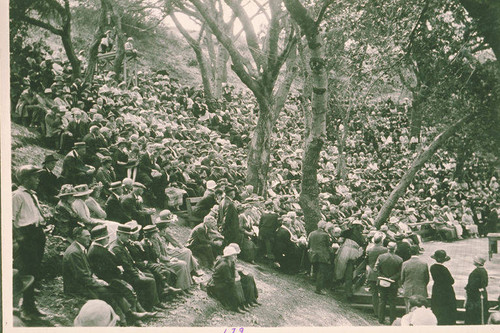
(28, 233)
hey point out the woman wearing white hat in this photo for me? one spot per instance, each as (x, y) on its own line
(222, 285)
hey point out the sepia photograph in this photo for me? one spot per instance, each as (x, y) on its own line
(247, 164)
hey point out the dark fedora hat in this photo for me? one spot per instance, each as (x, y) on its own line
(440, 256)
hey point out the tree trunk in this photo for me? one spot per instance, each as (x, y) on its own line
(317, 131)
(260, 149)
(416, 117)
(94, 47)
(417, 164)
(116, 17)
(200, 58)
(68, 46)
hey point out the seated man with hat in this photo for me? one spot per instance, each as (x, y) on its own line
(49, 183)
(174, 248)
(105, 174)
(113, 206)
(133, 206)
(74, 170)
(103, 265)
(80, 208)
(159, 246)
(201, 244)
(206, 203)
(144, 285)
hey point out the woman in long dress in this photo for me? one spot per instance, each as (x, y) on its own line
(443, 301)
(477, 297)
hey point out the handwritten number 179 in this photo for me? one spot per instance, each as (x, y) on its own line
(233, 330)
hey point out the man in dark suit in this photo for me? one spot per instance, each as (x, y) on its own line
(104, 266)
(228, 218)
(200, 243)
(77, 276)
(74, 170)
(105, 174)
(206, 203)
(388, 266)
(93, 141)
(49, 185)
(414, 277)
(319, 253)
(113, 206)
(144, 285)
(268, 225)
(372, 255)
(133, 207)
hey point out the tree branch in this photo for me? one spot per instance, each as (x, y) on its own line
(42, 24)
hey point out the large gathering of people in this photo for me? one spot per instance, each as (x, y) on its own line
(132, 158)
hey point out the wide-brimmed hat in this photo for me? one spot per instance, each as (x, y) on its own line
(149, 229)
(229, 251)
(66, 189)
(49, 158)
(21, 282)
(99, 232)
(81, 190)
(478, 260)
(440, 256)
(134, 225)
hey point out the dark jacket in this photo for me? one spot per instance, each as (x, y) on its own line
(114, 210)
(319, 246)
(443, 301)
(198, 237)
(48, 187)
(77, 276)
(389, 265)
(268, 225)
(124, 259)
(475, 289)
(74, 170)
(229, 222)
(222, 285)
(103, 263)
(372, 255)
(204, 206)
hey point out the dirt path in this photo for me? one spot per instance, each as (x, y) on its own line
(286, 301)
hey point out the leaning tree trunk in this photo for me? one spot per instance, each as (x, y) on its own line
(417, 164)
(260, 149)
(317, 131)
(94, 47)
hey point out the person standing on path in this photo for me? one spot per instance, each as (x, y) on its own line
(443, 301)
(414, 278)
(372, 255)
(476, 307)
(319, 253)
(389, 268)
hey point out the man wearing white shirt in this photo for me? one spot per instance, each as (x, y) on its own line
(28, 233)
